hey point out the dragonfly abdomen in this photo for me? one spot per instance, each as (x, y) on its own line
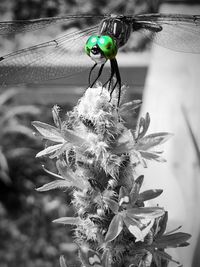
(118, 28)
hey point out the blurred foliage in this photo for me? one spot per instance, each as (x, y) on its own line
(10, 124)
(28, 237)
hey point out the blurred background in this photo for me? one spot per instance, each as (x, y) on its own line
(167, 81)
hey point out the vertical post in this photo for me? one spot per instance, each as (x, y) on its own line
(173, 81)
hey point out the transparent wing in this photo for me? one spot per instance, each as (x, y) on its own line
(16, 26)
(58, 58)
(179, 32)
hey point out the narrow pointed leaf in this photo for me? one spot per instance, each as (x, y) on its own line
(48, 150)
(115, 228)
(173, 230)
(48, 132)
(152, 156)
(149, 194)
(162, 224)
(152, 140)
(56, 117)
(64, 148)
(146, 213)
(140, 180)
(68, 220)
(62, 261)
(165, 256)
(143, 126)
(133, 228)
(173, 240)
(61, 184)
(136, 188)
(129, 106)
(52, 173)
(73, 138)
(134, 193)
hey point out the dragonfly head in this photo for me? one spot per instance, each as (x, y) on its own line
(101, 48)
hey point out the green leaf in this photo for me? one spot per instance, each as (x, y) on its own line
(143, 126)
(149, 194)
(173, 240)
(129, 106)
(62, 261)
(56, 117)
(55, 185)
(152, 140)
(133, 228)
(152, 156)
(135, 189)
(164, 255)
(48, 132)
(145, 213)
(48, 150)
(73, 138)
(140, 180)
(52, 173)
(162, 224)
(115, 228)
(68, 220)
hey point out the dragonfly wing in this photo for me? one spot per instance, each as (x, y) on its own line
(16, 26)
(179, 32)
(58, 58)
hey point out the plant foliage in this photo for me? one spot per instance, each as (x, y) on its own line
(96, 156)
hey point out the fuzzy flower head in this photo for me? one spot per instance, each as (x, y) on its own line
(95, 102)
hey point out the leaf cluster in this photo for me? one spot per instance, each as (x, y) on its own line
(96, 156)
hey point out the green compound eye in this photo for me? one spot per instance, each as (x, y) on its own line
(92, 41)
(108, 46)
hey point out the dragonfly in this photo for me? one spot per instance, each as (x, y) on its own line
(99, 42)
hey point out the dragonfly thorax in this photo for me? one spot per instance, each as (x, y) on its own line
(118, 27)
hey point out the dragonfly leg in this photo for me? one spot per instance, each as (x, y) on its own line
(89, 78)
(99, 74)
(115, 67)
(111, 76)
